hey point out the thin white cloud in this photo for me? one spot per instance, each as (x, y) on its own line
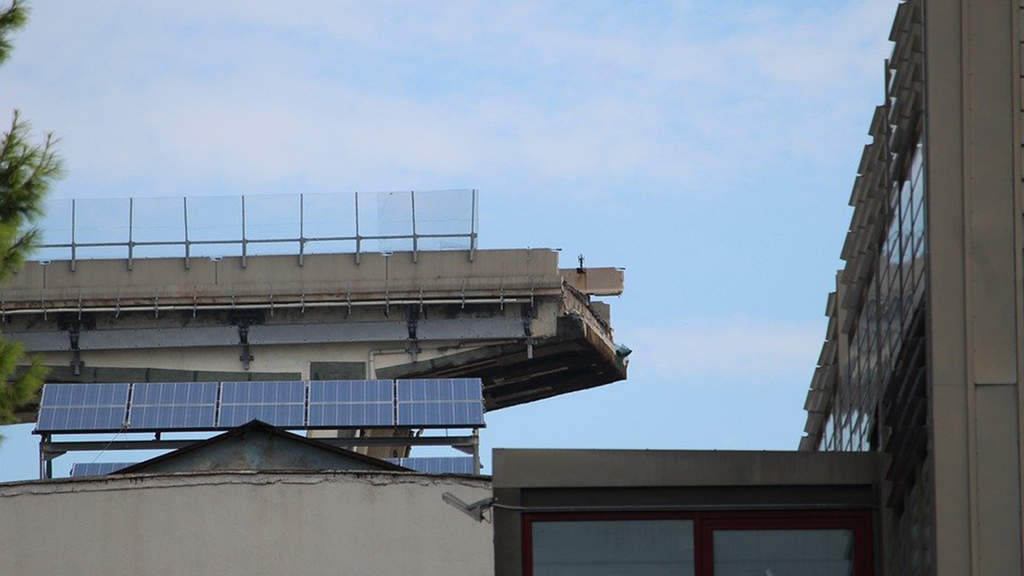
(739, 347)
(259, 93)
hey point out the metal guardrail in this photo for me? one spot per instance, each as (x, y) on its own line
(405, 220)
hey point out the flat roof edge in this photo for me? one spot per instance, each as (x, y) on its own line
(527, 468)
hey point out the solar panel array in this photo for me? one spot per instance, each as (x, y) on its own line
(97, 468)
(440, 402)
(164, 405)
(278, 403)
(438, 464)
(156, 406)
(84, 407)
(359, 402)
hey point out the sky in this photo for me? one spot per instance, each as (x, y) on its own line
(707, 147)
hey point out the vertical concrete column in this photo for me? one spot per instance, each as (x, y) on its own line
(974, 283)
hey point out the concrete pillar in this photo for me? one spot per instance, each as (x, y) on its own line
(972, 139)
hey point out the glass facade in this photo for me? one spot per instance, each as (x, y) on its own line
(890, 297)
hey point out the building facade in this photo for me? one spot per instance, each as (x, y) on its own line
(703, 513)
(244, 522)
(922, 357)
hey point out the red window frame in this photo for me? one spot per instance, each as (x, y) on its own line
(705, 524)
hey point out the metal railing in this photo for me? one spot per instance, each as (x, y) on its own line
(215, 226)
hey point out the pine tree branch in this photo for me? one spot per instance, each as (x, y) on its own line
(26, 173)
(11, 18)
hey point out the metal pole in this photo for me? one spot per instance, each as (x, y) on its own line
(476, 451)
(73, 253)
(243, 233)
(188, 262)
(302, 229)
(415, 243)
(131, 232)
(472, 229)
(42, 458)
(358, 239)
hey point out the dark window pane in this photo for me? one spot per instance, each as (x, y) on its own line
(789, 552)
(634, 547)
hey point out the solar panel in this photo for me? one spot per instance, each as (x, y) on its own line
(82, 407)
(351, 403)
(173, 405)
(439, 464)
(280, 403)
(97, 468)
(455, 402)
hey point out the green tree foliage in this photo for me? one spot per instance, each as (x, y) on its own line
(26, 172)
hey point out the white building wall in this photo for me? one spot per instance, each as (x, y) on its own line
(244, 524)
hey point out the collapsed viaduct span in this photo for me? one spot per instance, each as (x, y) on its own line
(511, 317)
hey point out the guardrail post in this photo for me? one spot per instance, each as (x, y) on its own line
(244, 241)
(302, 228)
(472, 228)
(188, 245)
(359, 240)
(131, 234)
(415, 240)
(74, 255)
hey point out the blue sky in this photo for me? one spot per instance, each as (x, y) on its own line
(707, 147)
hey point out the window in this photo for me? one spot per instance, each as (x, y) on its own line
(793, 543)
(793, 552)
(601, 548)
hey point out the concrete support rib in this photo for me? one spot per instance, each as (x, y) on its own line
(974, 206)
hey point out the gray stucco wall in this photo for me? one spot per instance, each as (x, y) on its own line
(243, 524)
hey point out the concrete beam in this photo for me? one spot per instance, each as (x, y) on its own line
(595, 281)
(447, 329)
(330, 277)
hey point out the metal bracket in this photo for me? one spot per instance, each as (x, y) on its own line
(243, 341)
(74, 324)
(528, 330)
(474, 510)
(76, 353)
(414, 345)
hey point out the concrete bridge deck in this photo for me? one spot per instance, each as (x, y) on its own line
(511, 317)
